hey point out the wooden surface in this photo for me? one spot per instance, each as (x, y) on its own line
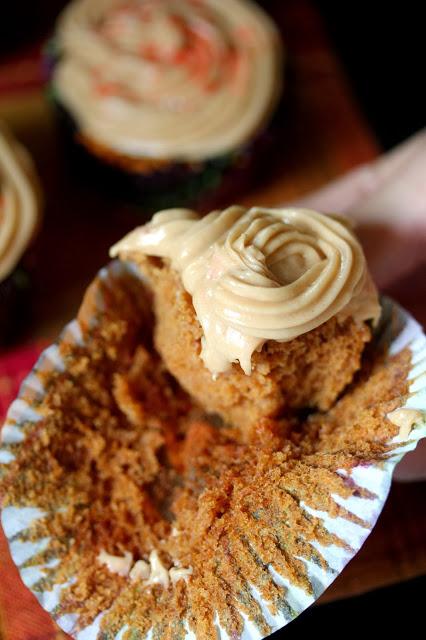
(323, 136)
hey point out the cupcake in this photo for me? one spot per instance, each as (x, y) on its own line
(19, 220)
(258, 311)
(167, 101)
(132, 514)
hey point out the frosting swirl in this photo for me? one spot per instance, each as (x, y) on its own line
(259, 274)
(180, 79)
(19, 202)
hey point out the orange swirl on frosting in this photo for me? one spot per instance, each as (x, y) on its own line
(180, 79)
(259, 274)
(19, 202)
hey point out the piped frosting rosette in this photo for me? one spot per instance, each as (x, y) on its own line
(259, 274)
(171, 79)
(19, 202)
(280, 546)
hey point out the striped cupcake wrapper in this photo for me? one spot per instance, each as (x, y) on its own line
(357, 515)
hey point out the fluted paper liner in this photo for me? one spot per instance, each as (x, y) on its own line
(367, 487)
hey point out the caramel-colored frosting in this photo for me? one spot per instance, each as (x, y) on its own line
(405, 419)
(179, 79)
(19, 202)
(259, 274)
(148, 574)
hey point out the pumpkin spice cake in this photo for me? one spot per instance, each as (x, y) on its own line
(157, 519)
(257, 311)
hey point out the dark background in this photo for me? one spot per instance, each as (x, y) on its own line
(386, 612)
(382, 48)
(381, 45)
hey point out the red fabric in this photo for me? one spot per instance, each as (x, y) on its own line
(14, 366)
(22, 72)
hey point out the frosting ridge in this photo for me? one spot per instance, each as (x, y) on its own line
(259, 274)
(19, 202)
(179, 79)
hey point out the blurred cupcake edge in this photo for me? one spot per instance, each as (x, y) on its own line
(166, 104)
(20, 217)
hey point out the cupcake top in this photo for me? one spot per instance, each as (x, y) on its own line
(19, 202)
(259, 274)
(173, 79)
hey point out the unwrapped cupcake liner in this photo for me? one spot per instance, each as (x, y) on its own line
(356, 514)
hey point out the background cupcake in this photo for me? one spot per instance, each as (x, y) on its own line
(19, 219)
(166, 98)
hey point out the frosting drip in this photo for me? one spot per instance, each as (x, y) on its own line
(405, 419)
(259, 274)
(19, 202)
(180, 79)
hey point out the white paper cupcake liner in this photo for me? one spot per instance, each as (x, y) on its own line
(399, 329)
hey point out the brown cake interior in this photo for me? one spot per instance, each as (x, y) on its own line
(133, 465)
(310, 371)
